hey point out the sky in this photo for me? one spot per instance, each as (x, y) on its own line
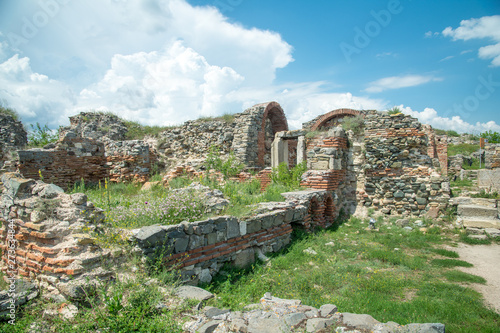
(162, 62)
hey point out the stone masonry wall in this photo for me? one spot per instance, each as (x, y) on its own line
(199, 249)
(400, 177)
(43, 235)
(76, 158)
(492, 155)
(13, 136)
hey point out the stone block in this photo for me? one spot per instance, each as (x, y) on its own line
(233, 228)
(151, 236)
(253, 226)
(244, 258)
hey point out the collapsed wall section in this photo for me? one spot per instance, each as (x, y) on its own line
(400, 177)
(43, 232)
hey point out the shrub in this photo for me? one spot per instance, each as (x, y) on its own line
(289, 178)
(40, 136)
(493, 137)
(356, 124)
(229, 166)
(394, 110)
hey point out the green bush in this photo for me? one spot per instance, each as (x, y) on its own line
(493, 137)
(229, 166)
(40, 136)
(289, 178)
(356, 124)
(394, 110)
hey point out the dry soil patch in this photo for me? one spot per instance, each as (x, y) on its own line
(486, 259)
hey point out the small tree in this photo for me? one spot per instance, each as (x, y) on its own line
(493, 137)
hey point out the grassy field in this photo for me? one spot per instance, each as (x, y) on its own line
(392, 274)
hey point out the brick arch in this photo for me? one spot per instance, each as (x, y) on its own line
(329, 209)
(274, 113)
(339, 113)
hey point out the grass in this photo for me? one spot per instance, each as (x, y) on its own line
(125, 305)
(474, 241)
(462, 183)
(458, 276)
(385, 273)
(462, 148)
(445, 253)
(136, 131)
(450, 263)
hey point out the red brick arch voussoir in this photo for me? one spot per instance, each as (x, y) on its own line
(332, 114)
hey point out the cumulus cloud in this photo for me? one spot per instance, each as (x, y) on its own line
(396, 82)
(456, 123)
(34, 96)
(486, 27)
(165, 87)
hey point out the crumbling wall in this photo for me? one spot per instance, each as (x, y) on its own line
(492, 155)
(437, 149)
(400, 177)
(95, 125)
(13, 136)
(254, 133)
(77, 158)
(330, 167)
(200, 249)
(43, 234)
(330, 119)
(72, 160)
(190, 143)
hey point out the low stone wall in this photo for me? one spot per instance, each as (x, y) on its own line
(129, 161)
(199, 249)
(43, 232)
(400, 176)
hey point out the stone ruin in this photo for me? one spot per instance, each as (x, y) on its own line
(13, 137)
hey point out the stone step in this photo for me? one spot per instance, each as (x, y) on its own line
(481, 223)
(477, 211)
(473, 201)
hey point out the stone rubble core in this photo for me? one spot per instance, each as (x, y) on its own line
(274, 315)
(13, 136)
(45, 235)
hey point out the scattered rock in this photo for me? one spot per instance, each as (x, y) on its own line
(190, 292)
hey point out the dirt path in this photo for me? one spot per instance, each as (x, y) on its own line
(486, 261)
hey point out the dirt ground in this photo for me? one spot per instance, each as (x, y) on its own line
(486, 261)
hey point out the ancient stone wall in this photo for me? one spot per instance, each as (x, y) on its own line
(43, 234)
(330, 119)
(13, 136)
(254, 133)
(400, 177)
(199, 249)
(330, 165)
(78, 158)
(437, 149)
(95, 125)
(492, 155)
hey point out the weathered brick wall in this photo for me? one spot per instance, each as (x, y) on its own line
(78, 158)
(42, 233)
(200, 249)
(400, 176)
(330, 119)
(437, 149)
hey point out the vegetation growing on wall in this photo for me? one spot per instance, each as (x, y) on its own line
(9, 112)
(40, 136)
(356, 124)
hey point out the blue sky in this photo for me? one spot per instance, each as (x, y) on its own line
(162, 62)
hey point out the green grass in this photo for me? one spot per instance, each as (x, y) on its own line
(473, 241)
(458, 276)
(124, 305)
(450, 263)
(462, 148)
(9, 112)
(462, 183)
(384, 273)
(445, 253)
(136, 131)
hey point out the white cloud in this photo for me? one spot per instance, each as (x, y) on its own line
(447, 58)
(167, 87)
(430, 34)
(456, 123)
(396, 82)
(34, 96)
(485, 27)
